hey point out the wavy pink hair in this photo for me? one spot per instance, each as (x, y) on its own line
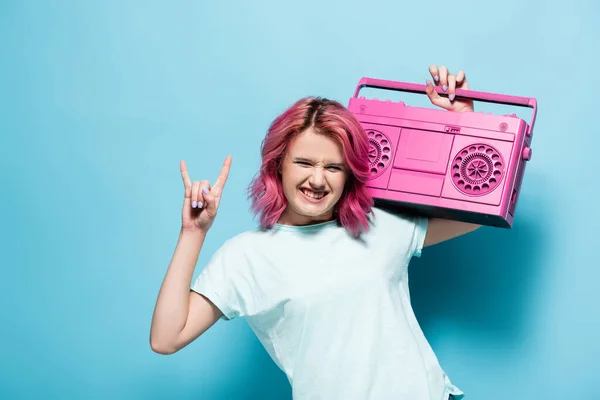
(326, 117)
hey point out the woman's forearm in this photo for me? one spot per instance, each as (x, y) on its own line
(172, 305)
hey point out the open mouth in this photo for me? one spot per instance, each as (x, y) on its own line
(313, 196)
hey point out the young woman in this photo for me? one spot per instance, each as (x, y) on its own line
(323, 280)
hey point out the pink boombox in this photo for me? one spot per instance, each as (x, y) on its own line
(464, 166)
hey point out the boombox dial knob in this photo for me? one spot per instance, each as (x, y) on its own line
(526, 153)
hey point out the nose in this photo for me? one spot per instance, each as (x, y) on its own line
(317, 179)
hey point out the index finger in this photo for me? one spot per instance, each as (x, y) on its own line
(222, 178)
(434, 72)
(187, 182)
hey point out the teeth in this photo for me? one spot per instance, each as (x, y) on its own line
(313, 194)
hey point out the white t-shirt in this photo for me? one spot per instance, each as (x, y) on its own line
(332, 311)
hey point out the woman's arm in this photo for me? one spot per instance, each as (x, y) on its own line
(440, 230)
(181, 315)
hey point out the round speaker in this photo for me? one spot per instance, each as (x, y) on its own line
(379, 152)
(477, 169)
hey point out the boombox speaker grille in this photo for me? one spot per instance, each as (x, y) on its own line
(379, 152)
(477, 169)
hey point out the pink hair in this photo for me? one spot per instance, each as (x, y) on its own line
(326, 117)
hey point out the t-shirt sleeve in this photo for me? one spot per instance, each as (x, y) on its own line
(405, 233)
(218, 281)
(419, 232)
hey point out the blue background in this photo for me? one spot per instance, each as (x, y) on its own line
(100, 100)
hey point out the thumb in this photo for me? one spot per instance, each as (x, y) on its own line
(211, 203)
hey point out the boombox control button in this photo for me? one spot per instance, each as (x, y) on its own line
(526, 153)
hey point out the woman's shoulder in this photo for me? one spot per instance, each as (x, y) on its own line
(246, 239)
(389, 213)
(399, 230)
(388, 217)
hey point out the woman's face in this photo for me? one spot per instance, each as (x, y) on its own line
(313, 175)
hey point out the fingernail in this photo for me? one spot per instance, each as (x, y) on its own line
(437, 78)
(199, 204)
(444, 88)
(204, 190)
(193, 204)
(451, 96)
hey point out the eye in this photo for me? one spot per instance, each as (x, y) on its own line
(334, 168)
(304, 163)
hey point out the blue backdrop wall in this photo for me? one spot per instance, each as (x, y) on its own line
(100, 100)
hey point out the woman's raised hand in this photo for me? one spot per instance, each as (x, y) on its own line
(201, 200)
(449, 83)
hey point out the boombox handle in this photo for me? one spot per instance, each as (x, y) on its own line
(469, 94)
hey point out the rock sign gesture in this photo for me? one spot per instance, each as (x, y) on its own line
(201, 201)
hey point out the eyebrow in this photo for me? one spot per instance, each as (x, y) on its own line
(308, 160)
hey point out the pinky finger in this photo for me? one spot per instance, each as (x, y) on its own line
(461, 80)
